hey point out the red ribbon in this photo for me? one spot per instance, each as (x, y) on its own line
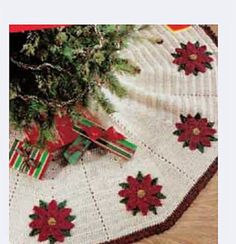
(22, 28)
(25, 154)
(178, 27)
(95, 133)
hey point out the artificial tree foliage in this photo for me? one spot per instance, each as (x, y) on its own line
(52, 70)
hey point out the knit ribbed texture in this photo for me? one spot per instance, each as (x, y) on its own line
(156, 98)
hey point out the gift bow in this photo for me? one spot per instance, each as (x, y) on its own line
(109, 139)
(96, 133)
(25, 152)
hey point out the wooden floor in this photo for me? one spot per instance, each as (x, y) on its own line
(199, 224)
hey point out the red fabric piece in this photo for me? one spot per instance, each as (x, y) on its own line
(51, 221)
(112, 135)
(32, 134)
(195, 132)
(178, 27)
(22, 28)
(93, 132)
(66, 134)
(64, 129)
(142, 200)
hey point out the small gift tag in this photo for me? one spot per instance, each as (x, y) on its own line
(28, 159)
(76, 149)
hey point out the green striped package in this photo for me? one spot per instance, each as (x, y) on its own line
(122, 148)
(73, 153)
(18, 161)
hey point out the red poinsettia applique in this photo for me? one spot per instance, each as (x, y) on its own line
(51, 221)
(141, 194)
(196, 132)
(192, 58)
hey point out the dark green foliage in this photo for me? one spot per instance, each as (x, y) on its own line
(183, 45)
(183, 118)
(160, 195)
(124, 185)
(200, 147)
(33, 216)
(186, 144)
(197, 44)
(175, 55)
(198, 116)
(71, 218)
(54, 69)
(135, 211)
(52, 240)
(66, 233)
(139, 176)
(62, 204)
(153, 209)
(211, 124)
(177, 132)
(34, 232)
(212, 138)
(154, 181)
(43, 204)
(124, 200)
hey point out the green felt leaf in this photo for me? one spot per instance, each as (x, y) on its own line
(153, 209)
(139, 176)
(177, 132)
(185, 144)
(208, 65)
(208, 53)
(34, 232)
(135, 211)
(197, 44)
(181, 67)
(52, 240)
(211, 124)
(66, 232)
(197, 116)
(195, 72)
(160, 195)
(154, 181)
(175, 55)
(71, 218)
(183, 45)
(124, 185)
(43, 204)
(62, 204)
(124, 200)
(183, 118)
(33, 216)
(212, 138)
(200, 147)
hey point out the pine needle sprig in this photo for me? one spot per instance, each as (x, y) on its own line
(56, 69)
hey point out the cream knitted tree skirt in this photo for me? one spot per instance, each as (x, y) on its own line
(149, 117)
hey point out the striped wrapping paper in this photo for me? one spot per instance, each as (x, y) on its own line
(122, 148)
(17, 161)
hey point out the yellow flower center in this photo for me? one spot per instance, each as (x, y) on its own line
(196, 131)
(141, 193)
(193, 57)
(52, 221)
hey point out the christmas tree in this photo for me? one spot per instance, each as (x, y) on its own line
(53, 70)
